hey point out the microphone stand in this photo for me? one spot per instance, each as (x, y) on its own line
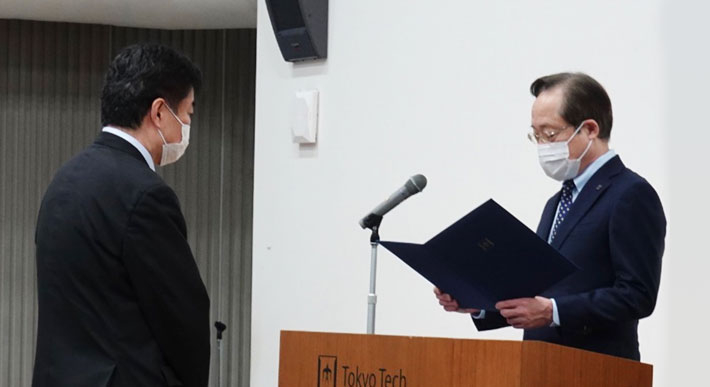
(220, 326)
(373, 223)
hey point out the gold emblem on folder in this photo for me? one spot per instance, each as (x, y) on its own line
(486, 244)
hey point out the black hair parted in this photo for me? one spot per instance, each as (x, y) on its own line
(138, 75)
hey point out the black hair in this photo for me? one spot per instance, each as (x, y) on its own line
(584, 98)
(138, 75)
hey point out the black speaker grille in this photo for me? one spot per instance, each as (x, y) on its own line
(287, 14)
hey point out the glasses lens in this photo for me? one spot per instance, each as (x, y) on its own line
(533, 138)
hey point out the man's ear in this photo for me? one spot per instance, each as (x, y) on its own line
(154, 113)
(592, 128)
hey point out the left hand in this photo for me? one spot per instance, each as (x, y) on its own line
(450, 304)
(527, 313)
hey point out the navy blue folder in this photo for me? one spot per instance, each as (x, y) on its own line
(486, 257)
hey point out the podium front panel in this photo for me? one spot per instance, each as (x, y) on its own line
(310, 359)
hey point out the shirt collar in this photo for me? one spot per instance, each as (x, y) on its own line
(584, 177)
(132, 140)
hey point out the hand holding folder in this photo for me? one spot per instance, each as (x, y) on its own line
(451, 305)
(485, 257)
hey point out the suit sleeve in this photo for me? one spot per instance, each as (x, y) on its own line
(637, 230)
(168, 285)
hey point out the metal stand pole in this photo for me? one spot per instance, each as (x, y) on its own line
(220, 326)
(372, 296)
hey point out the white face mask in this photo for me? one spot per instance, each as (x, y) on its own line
(172, 152)
(554, 158)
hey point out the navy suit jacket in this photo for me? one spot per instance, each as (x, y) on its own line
(121, 300)
(615, 233)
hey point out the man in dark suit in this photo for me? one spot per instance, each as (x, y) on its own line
(606, 219)
(121, 301)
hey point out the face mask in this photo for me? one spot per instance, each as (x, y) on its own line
(554, 159)
(172, 152)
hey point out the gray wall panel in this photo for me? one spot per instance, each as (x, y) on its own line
(239, 169)
(50, 82)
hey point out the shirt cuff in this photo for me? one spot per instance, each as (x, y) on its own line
(555, 314)
(480, 315)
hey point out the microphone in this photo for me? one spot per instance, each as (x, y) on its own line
(414, 185)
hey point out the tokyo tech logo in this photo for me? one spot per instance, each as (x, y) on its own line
(353, 375)
(327, 370)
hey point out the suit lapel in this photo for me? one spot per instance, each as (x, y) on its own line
(548, 214)
(594, 189)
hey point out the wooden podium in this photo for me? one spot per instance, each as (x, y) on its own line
(310, 359)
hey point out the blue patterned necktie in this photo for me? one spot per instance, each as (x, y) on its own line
(565, 205)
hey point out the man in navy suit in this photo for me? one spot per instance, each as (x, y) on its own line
(606, 219)
(121, 300)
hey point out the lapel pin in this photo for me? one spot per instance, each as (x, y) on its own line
(599, 187)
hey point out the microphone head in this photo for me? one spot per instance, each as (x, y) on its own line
(415, 184)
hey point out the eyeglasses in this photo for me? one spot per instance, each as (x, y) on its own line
(546, 136)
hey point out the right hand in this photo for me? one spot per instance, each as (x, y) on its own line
(450, 304)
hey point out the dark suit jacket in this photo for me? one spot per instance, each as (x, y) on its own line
(615, 233)
(121, 301)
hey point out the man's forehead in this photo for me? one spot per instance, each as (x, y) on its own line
(549, 98)
(546, 109)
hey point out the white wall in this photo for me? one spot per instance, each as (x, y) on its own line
(441, 88)
(687, 73)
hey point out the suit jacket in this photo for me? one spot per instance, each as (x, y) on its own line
(121, 301)
(615, 233)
